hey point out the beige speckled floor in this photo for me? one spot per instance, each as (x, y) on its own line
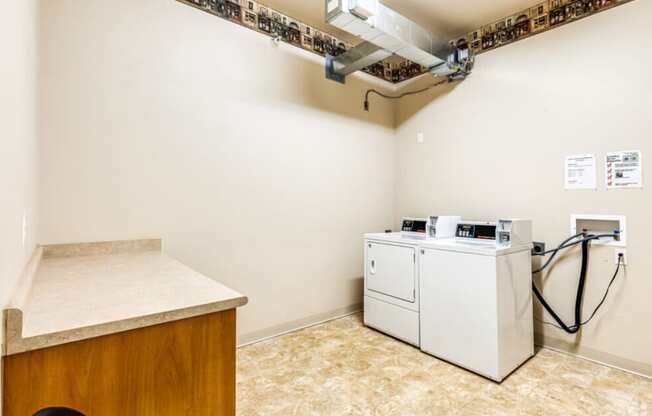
(343, 368)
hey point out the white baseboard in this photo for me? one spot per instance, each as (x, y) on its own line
(590, 354)
(285, 328)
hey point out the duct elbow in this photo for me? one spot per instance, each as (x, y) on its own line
(458, 65)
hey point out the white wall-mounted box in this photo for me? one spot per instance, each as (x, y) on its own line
(601, 224)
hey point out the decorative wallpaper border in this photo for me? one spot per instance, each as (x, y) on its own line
(537, 19)
(540, 18)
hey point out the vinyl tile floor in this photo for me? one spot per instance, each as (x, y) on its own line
(343, 368)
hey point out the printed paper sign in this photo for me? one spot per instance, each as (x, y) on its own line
(581, 172)
(624, 170)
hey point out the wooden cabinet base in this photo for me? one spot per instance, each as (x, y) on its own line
(179, 368)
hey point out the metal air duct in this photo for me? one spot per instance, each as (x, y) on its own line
(386, 32)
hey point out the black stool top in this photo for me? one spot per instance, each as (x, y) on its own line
(58, 411)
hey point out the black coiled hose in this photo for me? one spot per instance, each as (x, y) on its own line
(579, 297)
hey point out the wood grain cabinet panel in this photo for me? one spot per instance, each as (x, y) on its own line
(179, 368)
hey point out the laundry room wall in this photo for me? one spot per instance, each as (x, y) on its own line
(495, 147)
(18, 153)
(18, 139)
(159, 120)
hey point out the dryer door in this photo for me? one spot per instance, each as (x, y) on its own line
(391, 270)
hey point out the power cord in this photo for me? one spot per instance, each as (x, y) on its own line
(571, 242)
(606, 293)
(398, 97)
(568, 243)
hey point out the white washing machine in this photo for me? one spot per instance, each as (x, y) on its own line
(476, 297)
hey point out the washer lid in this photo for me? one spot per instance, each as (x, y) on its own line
(484, 248)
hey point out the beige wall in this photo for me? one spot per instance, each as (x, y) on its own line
(18, 144)
(161, 120)
(18, 43)
(495, 146)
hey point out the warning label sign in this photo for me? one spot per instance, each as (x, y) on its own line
(624, 170)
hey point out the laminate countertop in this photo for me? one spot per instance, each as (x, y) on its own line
(82, 291)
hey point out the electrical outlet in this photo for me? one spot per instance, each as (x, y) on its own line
(421, 138)
(617, 255)
(538, 249)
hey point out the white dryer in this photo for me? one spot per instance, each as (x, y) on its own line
(391, 275)
(391, 285)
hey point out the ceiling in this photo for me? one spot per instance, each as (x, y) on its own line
(446, 18)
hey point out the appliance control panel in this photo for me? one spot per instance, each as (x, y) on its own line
(476, 231)
(414, 225)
